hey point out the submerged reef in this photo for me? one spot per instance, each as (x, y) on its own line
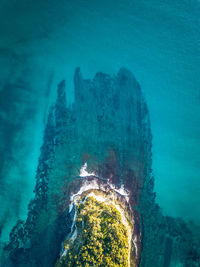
(95, 189)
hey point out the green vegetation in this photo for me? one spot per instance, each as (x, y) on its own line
(101, 237)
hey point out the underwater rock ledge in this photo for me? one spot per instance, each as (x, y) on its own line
(108, 129)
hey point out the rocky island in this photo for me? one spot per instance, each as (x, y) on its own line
(94, 201)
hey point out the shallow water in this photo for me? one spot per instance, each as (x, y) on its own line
(42, 43)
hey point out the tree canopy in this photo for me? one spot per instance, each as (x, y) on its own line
(101, 237)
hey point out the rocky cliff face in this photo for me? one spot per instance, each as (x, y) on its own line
(108, 128)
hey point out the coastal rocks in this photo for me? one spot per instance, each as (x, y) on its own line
(101, 232)
(107, 127)
(104, 138)
(108, 194)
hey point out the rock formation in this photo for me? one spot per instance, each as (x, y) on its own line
(107, 128)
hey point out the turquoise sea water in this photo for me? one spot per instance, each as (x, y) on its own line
(42, 42)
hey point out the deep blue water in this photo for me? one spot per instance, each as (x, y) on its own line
(42, 42)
